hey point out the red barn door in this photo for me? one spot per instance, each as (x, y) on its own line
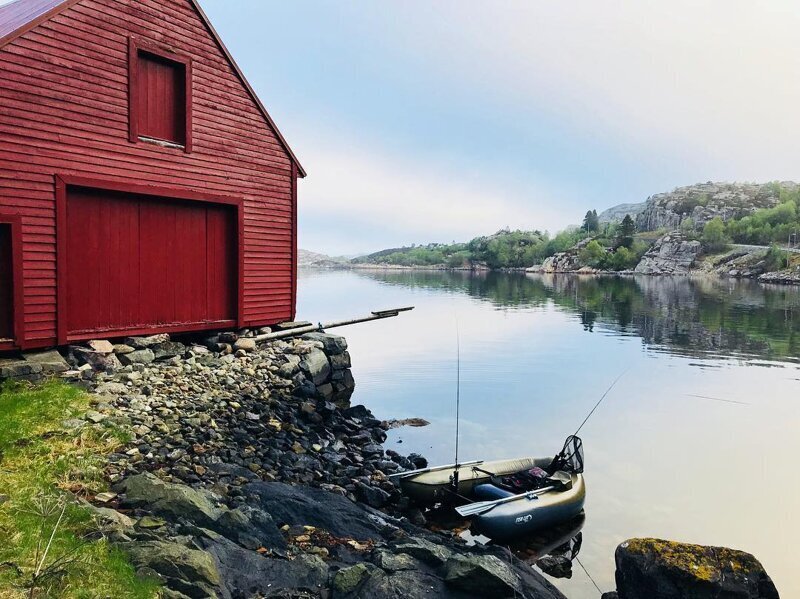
(6, 284)
(142, 264)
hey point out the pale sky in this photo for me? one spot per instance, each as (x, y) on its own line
(441, 120)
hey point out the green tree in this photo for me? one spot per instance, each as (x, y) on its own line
(591, 222)
(714, 237)
(626, 230)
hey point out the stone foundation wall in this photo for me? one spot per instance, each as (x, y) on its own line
(319, 370)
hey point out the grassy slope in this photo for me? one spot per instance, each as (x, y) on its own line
(39, 463)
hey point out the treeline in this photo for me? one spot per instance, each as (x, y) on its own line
(612, 247)
(504, 249)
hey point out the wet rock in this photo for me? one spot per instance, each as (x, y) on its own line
(347, 580)
(557, 566)
(405, 584)
(341, 361)
(250, 527)
(308, 506)
(246, 573)
(392, 562)
(424, 550)
(372, 496)
(668, 570)
(481, 575)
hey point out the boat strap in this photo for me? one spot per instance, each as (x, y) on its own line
(492, 474)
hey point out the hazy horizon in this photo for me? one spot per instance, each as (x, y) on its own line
(422, 122)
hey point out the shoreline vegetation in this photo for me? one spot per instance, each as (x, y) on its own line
(726, 229)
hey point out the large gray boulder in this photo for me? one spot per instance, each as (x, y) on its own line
(246, 573)
(189, 571)
(333, 344)
(305, 506)
(672, 254)
(657, 569)
(139, 356)
(316, 367)
(425, 551)
(482, 575)
(101, 361)
(51, 361)
(170, 500)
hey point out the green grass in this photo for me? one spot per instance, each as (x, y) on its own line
(43, 468)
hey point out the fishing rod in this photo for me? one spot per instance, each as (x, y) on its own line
(573, 445)
(458, 403)
(597, 405)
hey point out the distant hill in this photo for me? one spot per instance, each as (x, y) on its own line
(615, 214)
(308, 259)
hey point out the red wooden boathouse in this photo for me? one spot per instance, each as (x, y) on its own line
(143, 186)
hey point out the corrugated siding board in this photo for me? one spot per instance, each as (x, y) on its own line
(64, 110)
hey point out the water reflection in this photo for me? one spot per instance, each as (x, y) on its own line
(700, 317)
(694, 443)
(553, 550)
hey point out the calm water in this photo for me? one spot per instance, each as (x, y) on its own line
(664, 459)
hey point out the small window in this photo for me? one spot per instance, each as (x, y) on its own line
(160, 97)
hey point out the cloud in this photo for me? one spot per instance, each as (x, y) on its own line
(710, 84)
(356, 186)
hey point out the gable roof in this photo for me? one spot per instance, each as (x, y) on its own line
(20, 16)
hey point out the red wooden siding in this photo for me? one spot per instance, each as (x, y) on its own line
(136, 262)
(161, 98)
(6, 284)
(64, 101)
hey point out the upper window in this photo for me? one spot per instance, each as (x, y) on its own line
(160, 96)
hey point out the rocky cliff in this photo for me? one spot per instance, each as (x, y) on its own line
(615, 214)
(672, 254)
(705, 201)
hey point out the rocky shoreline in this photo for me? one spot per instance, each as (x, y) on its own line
(249, 475)
(246, 473)
(676, 254)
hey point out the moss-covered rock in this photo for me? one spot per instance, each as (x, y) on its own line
(349, 579)
(658, 569)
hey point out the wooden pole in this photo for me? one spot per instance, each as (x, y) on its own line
(313, 328)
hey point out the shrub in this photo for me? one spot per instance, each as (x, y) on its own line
(593, 254)
(714, 237)
(776, 258)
